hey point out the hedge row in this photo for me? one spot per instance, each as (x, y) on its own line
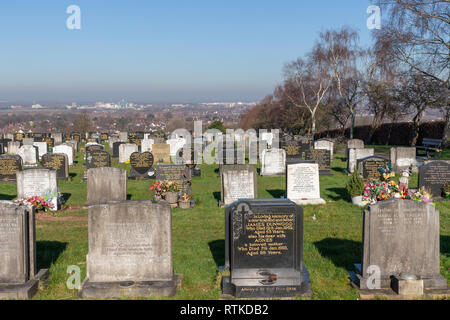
(390, 133)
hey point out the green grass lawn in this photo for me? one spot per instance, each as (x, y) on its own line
(332, 243)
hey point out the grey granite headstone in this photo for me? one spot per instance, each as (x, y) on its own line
(106, 184)
(402, 158)
(354, 155)
(19, 278)
(401, 237)
(130, 250)
(325, 144)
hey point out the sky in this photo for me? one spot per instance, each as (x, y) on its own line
(160, 51)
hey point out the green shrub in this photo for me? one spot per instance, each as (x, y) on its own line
(355, 185)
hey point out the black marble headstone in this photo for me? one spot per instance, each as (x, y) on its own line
(59, 162)
(116, 145)
(321, 157)
(98, 159)
(434, 175)
(175, 172)
(264, 249)
(9, 166)
(141, 165)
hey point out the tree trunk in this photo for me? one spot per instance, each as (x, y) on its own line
(416, 126)
(352, 124)
(446, 135)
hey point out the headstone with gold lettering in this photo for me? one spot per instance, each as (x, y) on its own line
(59, 162)
(264, 250)
(9, 166)
(141, 166)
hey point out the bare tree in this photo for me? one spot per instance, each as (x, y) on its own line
(416, 34)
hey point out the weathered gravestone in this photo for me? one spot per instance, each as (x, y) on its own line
(356, 154)
(57, 138)
(400, 237)
(13, 147)
(29, 155)
(125, 151)
(175, 172)
(72, 143)
(67, 150)
(42, 148)
(59, 162)
(111, 142)
(146, 145)
(9, 166)
(434, 175)
(92, 146)
(28, 141)
(325, 144)
(130, 251)
(123, 136)
(402, 158)
(273, 162)
(369, 167)
(141, 166)
(161, 153)
(115, 148)
(38, 182)
(98, 159)
(106, 184)
(302, 183)
(237, 182)
(19, 277)
(264, 249)
(323, 158)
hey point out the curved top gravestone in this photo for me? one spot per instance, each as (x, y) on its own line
(141, 164)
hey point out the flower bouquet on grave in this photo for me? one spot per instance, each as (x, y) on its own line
(39, 203)
(157, 189)
(423, 195)
(387, 172)
(446, 190)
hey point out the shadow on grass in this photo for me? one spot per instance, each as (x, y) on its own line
(445, 245)
(217, 196)
(339, 169)
(66, 197)
(128, 196)
(342, 194)
(343, 253)
(6, 197)
(277, 193)
(47, 252)
(72, 175)
(217, 248)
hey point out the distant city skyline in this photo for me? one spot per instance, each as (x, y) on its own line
(160, 52)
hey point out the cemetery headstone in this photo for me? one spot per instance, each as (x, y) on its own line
(42, 148)
(400, 237)
(29, 154)
(19, 277)
(59, 162)
(98, 159)
(273, 162)
(302, 183)
(264, 250)
(402, 158)
(125, 151)
(13, 147)
(368, 168)
(38, 182)
(116, 145)
(356, 154)
(141, 166)
(9, 166)
(67, 150)
(323, 158)
(175, 172)
(433, 176)
(130, 250)
(325, 144)
(161, 153)
(106, 184)
(238, 182)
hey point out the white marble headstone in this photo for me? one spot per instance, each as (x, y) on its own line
(303, 184)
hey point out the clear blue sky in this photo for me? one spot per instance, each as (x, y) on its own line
(160, 51)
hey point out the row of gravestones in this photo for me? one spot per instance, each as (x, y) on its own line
(130, 249)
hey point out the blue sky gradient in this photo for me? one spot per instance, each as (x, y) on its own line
(160, 51)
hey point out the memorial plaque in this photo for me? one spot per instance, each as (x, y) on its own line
(175, 172)
(401, 237)
(9, 166)
(264, 249)
(161, 153)
(130, 242)
(98, 159)
(238, 182)
(59, 162)
(433, 176)
(141, 165)
(322, 158)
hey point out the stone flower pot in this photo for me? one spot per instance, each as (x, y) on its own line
(358, 201)
(171, 197)
(184, 204)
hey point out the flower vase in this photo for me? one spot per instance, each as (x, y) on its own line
(171, 197)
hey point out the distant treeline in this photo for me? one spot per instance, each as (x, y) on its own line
(390, 133)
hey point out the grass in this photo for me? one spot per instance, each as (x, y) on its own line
(332, 242)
